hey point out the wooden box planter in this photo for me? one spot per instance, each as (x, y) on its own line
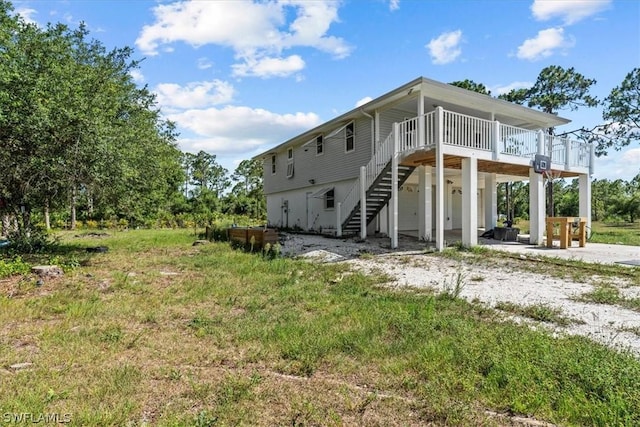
(261, 236)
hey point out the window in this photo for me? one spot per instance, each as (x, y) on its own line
(329, 199)
(319, 145)
(349, 137)
(290, 163)
(273, 164)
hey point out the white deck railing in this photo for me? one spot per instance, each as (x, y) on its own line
(518, 142)
(384, 151)
(469, 132)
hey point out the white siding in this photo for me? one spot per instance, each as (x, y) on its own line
(334, 164)
(300, 210)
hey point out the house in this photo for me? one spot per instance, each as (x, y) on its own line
(424, 158)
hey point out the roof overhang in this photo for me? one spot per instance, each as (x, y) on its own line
(437, 94)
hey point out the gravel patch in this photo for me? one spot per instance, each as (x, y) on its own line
(410, 266)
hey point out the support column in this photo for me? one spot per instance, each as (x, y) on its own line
(490, 201)
(584, 182)
(339, 219)
(363, 202)
(470, 201)
(439, 180)
(537, 208)
(421, 139)
(394, 187)
(425, 221)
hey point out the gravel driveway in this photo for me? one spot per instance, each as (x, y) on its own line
(411, 266)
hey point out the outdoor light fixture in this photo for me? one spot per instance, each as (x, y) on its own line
(312, 181)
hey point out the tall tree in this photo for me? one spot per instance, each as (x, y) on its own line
(622, 112)
(472, 86)
(555, 89)
(73, 124)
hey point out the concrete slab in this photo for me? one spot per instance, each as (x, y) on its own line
(592, 252)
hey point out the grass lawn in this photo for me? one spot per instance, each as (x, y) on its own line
(623, 233)
(620, 233)
(159, 332)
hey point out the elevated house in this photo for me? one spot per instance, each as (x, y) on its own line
(424, 158)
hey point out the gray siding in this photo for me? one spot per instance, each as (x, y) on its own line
(389, 117)
(333, 165)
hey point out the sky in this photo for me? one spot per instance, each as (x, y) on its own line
(239, 77)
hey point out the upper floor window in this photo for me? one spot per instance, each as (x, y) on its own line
(290, 163)
(350, 140)
(320, 144)
(273, 164)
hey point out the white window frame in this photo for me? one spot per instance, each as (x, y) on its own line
(290, 168)
(320, 145)
(353, 137)
(330, 196)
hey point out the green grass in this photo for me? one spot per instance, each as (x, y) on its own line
(539, 312)
(157, 331)
(607, 293)
(622, 233)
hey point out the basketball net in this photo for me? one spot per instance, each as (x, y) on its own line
(551, 175)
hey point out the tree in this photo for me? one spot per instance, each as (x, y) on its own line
(74, 126)
(247, 197)
(555, 89)
(472, 86)
(622, 112)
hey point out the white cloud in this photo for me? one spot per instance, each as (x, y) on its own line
(240, 129)
(364, 101)
(632, 156)
(26, 14)
(502, 89)
(446, 47)
(194, 95)
(256, 31)
(545, 44)
(394, 4)
(137, 76)
(269, 67)
(204, 63)
(570, 11)
(618, 165)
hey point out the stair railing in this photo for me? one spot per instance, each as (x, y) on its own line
(374, 167)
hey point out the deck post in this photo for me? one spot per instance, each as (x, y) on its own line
(363, 202)
(585, 200)
(496, 140)
(425, 221)
(470, 201)
(537, 208)
(339, 219)
(394, 186)
(567, 154)
(490, 201)
(440, 244)
(421, 141)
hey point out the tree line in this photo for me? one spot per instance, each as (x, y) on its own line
(82, 141)
(557, 89)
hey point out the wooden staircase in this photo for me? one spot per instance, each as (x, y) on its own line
(378, 194)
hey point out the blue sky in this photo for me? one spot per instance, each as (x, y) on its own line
(239, 76)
